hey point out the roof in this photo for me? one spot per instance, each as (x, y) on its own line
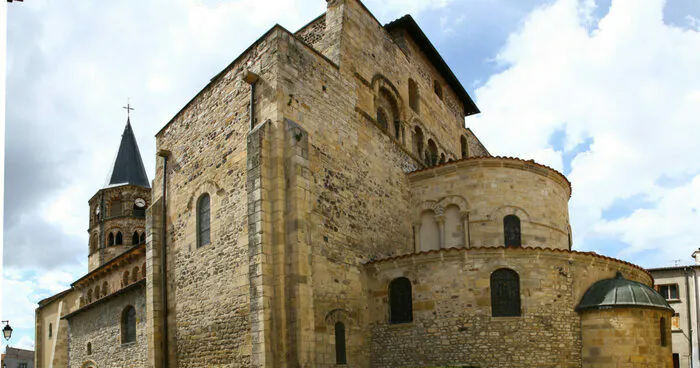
(679, 268)
(135, 285)
(406, 22)
(140, 248)
(128, 167)
(620, 292)
(52, 298)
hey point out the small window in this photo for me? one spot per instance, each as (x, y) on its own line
(505, 293)
(511, 231)
(89, 348)
(105, 288)
(340, 355)
(128, 325)
(135, 238)
(669, 292)
(89, 296)
(142, 238)
(135, 274)
(22, 365)
(432, 154)
(463, 146)
(400, 301)
(442, 159)
(418, 138)
(203, 221)
(118, 239)
(397, 129)
(110, 238)
(413, 94)
(50, 330)
(663, 330)
(438, 89)
(97, 292)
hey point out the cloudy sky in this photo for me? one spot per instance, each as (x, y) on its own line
(608, 92)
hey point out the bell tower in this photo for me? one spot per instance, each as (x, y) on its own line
(118, 209)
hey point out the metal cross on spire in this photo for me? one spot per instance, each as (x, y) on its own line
(128, 109)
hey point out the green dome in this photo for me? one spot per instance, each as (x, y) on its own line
(620, 292)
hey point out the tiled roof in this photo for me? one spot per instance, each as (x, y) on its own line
(521, 249)
(128, 166)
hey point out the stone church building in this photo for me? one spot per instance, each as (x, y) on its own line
(320, 203)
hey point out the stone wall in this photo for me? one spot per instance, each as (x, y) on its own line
(208, 286)
(54, 349)
(100, 325)
(626, 337)
(313, 32)
(452, 318)
(484, 191)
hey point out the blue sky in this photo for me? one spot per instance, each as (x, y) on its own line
(608, 92)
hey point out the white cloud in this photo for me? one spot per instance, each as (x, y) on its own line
(629, 83)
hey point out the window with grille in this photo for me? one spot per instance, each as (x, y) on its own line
(511, 231)
(400, 301)
(505, 293)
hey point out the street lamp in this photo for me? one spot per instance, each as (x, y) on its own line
(7, 330)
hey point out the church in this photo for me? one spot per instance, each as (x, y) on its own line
(320, 203)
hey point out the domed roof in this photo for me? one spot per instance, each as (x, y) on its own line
(620, 292)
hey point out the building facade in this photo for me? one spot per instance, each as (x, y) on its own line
(321, 203)
(679, 285)
(17, 358)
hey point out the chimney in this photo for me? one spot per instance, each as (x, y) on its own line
(696, 255)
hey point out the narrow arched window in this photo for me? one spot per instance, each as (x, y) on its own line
(382, 119)
(505, 293)
(118, 239)
(135, 274)
(397, 129)
(340, 355)
(89, 348)
(135, 238)
(442, 159)
(438, 89)
(50, 330)
(128, 325)
(142, 238)
(463, 146)
(97, 292)
(418, 138)
(413, 94)
(511, 231)
(432, 153)
(105, 288)
(400, 301)
(89, 296)
(110, 238)
(203, 221)
(663, 330)
(125, 278)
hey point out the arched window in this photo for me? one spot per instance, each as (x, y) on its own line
(429, 231)
(118, 239)
(110, 238)
(442, 159)
(382, 119)
(663, 330)
(97, 292)
(340, 355)
(89, 348)
(505, 293)
(400, 301)
(50, 330)
(135, 274)
(105, 288)
(438, 89)
(128, 325)
(432, 154)
(413, 94)
(135, 238)
(89, 296)
(142, 238)
(125, 278)
(463, 146)
(203, 221)
(397, 129)
(418, 138)
(511, 231)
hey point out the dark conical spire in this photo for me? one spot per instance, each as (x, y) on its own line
(128, 166)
